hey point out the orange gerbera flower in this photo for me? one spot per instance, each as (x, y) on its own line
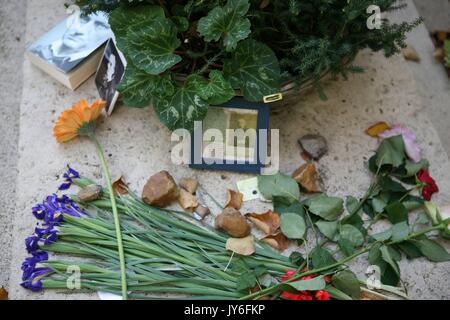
(79, 120)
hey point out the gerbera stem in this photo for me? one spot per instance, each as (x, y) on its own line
(101, 155)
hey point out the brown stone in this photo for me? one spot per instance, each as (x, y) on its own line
(160, 190)
(233, 222)
(90, 193)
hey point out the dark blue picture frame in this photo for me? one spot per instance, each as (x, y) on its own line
(247, 167)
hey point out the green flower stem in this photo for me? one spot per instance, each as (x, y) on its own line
(277, 287)
(104, 166)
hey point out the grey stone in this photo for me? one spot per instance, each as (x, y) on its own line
(90, 193)
(314, 145)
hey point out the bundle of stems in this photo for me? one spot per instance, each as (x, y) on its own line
(164, 253)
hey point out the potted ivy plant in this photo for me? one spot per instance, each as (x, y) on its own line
(184, 56)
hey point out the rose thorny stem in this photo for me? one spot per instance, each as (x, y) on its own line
(104, 166)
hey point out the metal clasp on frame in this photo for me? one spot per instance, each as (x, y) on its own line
(273, 97)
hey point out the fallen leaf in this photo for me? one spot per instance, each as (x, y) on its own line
(278, 241)
(234, 199)
(439, 55)
(268, 222)
(411, 54)
(307, 177)
(3, 294)
(232, 221)
(119, 186)
(377, 129)
(243, 246)
(189, 185)
(187, 200)
(264, 3)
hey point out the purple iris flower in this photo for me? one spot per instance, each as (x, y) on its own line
(33, 280)
(29, 265)
(68, 178)
(32, 243)
(39, 211)
(47, 235)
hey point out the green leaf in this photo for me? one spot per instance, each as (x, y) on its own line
(375, 254)
(352, 234)
(246, 280)
(397, 212)
(293, 226)
(321, 257)
(279, 185)
(383, 236)
(378, 204)
(328, 208)
(336, 293)
(151, 47)
(412, 168)
(432, 250)
(138, 87)
(227, 22)
(351, 204)
(400, 231)
(346, 246)
(296, 258)
(317, 283)
(183, 108)
(216, 90)
(181, 23)
(387, 184)
(410, 249)
(387, 256)
(347, 282)
(328, 228)
(281, 206)
(391, 151)
(422, 218)
(124, 18)
(253, 68)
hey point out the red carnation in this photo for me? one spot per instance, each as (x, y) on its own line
(430, 186)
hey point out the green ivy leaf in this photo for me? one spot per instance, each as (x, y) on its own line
(391, 151)
(138, 87)
(293, 226)
(347, 282)
(432, 250)
(254, 69)
(151, 46)
(183, 108)
(217, 90)
(328, 228)
(124, 18)
(352, 234)
(279, 185)
(328, 208)
(226, 22)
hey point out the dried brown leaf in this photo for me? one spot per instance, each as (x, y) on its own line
(377, 129)
(119, 186)
(233, 222)
(308, 177)
(278, 241)
(243, 246)
(268, 222)
(411, 54)
(370, 295)
(189, 185)
(3, 294)
(234, 199)
(187, 200)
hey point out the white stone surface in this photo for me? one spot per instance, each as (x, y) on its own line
(138, 145)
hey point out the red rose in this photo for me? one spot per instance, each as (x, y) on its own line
(430, 185)
(303, 295)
